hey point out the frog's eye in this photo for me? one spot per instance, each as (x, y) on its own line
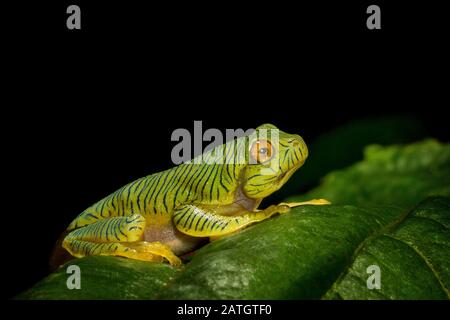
(261, 151)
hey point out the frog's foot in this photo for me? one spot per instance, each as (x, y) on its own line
(152, 251)
(315, 202)
(270, 211)
(255, 216)
(141, 250)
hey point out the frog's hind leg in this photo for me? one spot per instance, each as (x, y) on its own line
(117, 236)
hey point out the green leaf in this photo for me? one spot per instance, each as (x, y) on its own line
(105, 278)
(295, 256)
(325, 251)
(312, 252)
(413, 255)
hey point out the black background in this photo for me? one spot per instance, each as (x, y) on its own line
(93, 109)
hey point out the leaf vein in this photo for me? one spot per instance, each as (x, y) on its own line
(376, 233)
(431, 219)
(426, 260)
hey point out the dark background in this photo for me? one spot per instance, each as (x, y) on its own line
(91, 110)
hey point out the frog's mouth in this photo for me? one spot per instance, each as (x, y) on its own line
(284, 177)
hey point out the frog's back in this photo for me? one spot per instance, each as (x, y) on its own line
(146, 196)
(157, 195)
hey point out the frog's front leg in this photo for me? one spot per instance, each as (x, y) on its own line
(199, 222)
(117, 236)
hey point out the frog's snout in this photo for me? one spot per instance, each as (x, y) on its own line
(299, 146)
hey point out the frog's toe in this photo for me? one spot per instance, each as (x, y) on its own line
(283, 208)
(315, 202)
(153, 251)
(143, 256)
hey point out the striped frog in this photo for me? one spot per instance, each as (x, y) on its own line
(167, 214)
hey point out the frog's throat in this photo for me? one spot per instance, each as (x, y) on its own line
(253, 204)
(244, 201)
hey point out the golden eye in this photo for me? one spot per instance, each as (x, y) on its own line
(261, 151)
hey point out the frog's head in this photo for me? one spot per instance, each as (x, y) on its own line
(273, 157)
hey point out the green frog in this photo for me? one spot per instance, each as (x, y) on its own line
(167, 214)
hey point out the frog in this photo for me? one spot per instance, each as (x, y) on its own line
(162, 216)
